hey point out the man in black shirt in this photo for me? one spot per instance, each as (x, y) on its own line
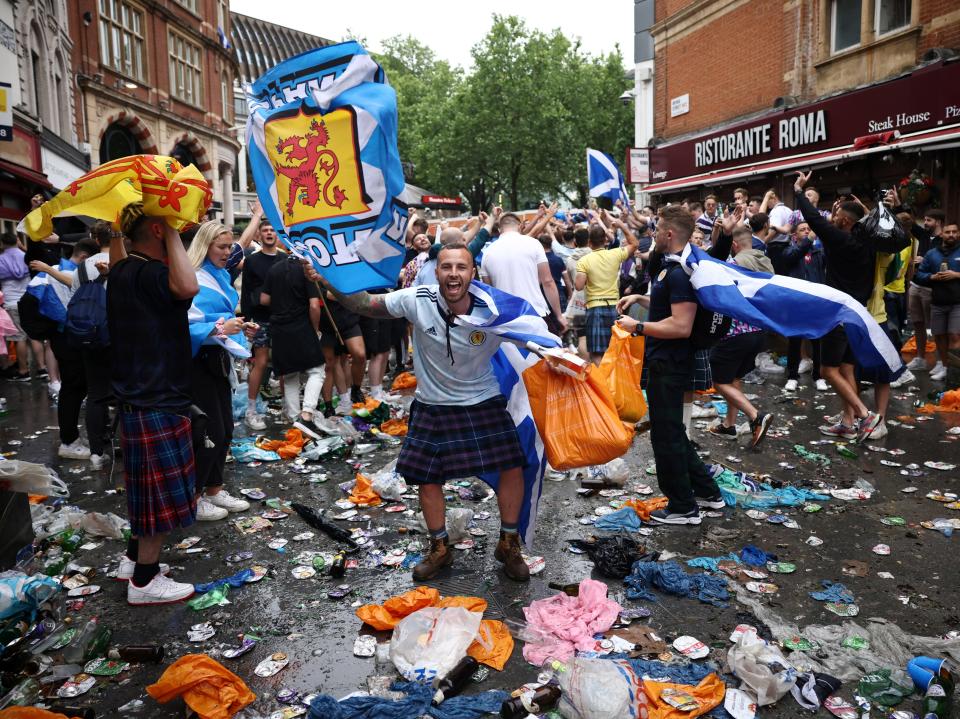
(148, 296)
(255, 270)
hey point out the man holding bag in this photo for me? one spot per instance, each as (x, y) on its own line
(682, 476)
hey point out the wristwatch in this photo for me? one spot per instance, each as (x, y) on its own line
(638, 332)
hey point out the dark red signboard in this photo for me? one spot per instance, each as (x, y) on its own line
(440, 200)
(927, 98)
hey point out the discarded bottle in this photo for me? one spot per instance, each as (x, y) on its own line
(318, 521)
(339, 566)
(455, 681)
(13, 629)
(81, 712)
(936, 702)
(98, 645)
(76, 650)
(539, 701)
(571, 590)
(26, 693)
(70, 539)
(138, 653)
(319, 563)
(55, 565)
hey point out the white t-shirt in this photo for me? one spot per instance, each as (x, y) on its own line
(427, 274)
(92, 272)
(780, 217)
(469, 379)
(511, 264)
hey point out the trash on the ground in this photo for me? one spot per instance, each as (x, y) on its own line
(207, 687)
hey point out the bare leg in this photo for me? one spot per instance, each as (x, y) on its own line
(943, 347)
(53, 369)
(358, 359)
(433, 505)
(378, 368)
(261, 355)
(39, 357)
(847, 391)
(510, 495)
(595, 358)
(736, 400)
(23, 359)
(881, 398)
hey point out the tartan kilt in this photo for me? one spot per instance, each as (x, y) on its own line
(159, 471)
(600, 321)
(701, 378)
(449, 442)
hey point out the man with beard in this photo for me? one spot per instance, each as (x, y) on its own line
(459, 425)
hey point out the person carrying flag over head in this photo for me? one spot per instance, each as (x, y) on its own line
(459, 425)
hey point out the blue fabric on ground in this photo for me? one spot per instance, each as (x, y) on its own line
(712, 563)
(833, 592)
(415, 704)
(625, 519)
(235, 581)
(670, 577)
(756, 557)
(738, 489)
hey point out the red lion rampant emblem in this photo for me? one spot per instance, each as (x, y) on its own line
(311, 150)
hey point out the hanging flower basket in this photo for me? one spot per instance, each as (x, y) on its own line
(916, 189)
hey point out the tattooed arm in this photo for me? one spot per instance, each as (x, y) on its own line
(361, 303)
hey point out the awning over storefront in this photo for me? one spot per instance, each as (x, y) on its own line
(19, 172)
(941, 138)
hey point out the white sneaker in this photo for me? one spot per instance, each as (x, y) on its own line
(127, 565)
(805, 366)
(208, 512)
(822, 385)
(159, 590)
(74, 450)
(939, 372)
(834, 418)
(254, 420)
(880, 431)
(227, 501)
(917, 363)
(97, 461)
(790, 386)
(698, 412)
(389, 398)
(53, 389)
(345, 407)
(906, 378)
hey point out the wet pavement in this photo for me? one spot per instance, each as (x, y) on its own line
(297, 617)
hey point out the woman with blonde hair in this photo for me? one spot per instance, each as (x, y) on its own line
(216, 336)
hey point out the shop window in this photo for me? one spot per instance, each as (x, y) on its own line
(844, 24)
(117, 142)
(121, 38)
(892, 15)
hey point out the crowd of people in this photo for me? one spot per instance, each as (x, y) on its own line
(153, 326)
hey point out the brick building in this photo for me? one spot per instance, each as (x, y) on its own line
(157, 76)
(861, 91)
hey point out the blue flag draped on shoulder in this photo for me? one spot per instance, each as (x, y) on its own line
(790, 307)
(514, 318)
(322, 138)
(604, 178)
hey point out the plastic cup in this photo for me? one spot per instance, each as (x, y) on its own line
(923, 670)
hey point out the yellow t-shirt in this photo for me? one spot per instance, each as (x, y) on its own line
(899, 284)
(602, 268)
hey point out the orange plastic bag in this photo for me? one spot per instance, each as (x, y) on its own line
(394, 427)
(208, 687)
(708, 693)
(471, 604)
(369, 404)
(577, 419)
(388, 615)
(30, 713)
(494, 646)
(621, 366)
(910, 347)
(363, 494)
(404, 380)
(949, 402)
(289, 447)
(643, 507)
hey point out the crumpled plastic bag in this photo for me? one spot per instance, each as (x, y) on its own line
(320, 448)
(620, 368)
(207, 687)
(389, 483)
(30, 713)
(458, 519)
(394, 427)
(643, 507)
(761, 668)
(612, 556)
(363, 495)
(22, 593)
(708, 693)
(669, 577)
(287, 448)
(949, 402)
(493, 645)
(100, 525)
(247, 451)
(429, 642)
(833, 592)
(601, 689)
(404, 380)
(239, 401)
(393, 610)
(31, 478)
(623, 520)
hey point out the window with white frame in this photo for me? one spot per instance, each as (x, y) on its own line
(844, 24)
(189, 4)
(891, 15)
(226, 95)
(186, 66)
(121, 38)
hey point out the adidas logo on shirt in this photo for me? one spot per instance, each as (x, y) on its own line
(430, 331)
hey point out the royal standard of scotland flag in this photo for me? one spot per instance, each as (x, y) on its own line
(322, 138)
(604, 178)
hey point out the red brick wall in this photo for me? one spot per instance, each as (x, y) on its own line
(945, 14)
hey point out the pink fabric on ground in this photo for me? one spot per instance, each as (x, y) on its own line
(568, 623)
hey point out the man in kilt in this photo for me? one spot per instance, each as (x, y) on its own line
(148, 296)
(459, 425)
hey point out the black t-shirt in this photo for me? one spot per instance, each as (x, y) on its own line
(49, 252)
(255, 269)
(557, 268)
(149, 336)
(669, 286)
(289, 291)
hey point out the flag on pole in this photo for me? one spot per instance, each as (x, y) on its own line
(322, 139)
(789, 307)
(604, 178)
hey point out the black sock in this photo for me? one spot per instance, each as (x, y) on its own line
(133, 547)
(143, 574)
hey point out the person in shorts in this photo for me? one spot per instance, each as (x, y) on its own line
(459, 425)
(345, 355)
(377, 341)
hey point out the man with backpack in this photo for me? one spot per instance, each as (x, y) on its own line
(682, 476)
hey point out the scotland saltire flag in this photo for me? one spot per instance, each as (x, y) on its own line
(322, 138)
(790, 307)
(216, 300)
(604, 178)
(52, 295)
(513, 318)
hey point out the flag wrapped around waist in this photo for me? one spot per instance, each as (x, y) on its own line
(216, 301)
(322, 139)
(790, 307)
(512, 317)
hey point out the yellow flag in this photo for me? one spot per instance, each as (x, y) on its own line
(166, 188)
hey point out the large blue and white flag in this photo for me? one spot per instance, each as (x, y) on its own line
(790, 307)
(604, 178)
(52, 295)
(511, 317)
(215, 302)
(322, 139)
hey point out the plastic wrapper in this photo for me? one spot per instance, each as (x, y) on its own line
(429, 642)
(458, 519)
(600, 689)
(388, 483)
(22, 593)
(612, 556)
(761, 668)
(31, 478)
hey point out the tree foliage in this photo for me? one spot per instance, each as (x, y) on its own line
(518, 124)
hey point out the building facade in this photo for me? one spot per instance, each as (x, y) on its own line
(746, 93)
(157, 77)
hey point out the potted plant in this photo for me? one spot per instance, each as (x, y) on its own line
(916, 189)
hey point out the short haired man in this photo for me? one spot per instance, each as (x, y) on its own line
(682, 476)
(708, 218)
(920, 296)
(148, 297)
(459, 424)
(759, 225)
(941, 268)
(778, 232)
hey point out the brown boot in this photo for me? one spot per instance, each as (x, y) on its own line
(508, 552)
(438, 559)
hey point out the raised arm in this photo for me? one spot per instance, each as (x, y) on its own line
(361, 303)
(253, 227)
(183, 278)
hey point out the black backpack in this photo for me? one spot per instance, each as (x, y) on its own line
(86, 325)
(37, 326)
(708, 327)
